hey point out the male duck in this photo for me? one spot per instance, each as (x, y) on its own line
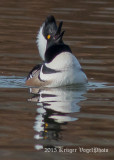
(60, 67)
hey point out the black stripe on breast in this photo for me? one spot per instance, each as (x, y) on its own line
(40, 78)
(47, 70)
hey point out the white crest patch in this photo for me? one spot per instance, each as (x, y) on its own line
(41, 43)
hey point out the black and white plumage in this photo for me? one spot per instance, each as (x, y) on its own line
(60, 67)
(48, 28)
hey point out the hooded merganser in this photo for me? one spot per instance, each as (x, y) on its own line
(60, 67)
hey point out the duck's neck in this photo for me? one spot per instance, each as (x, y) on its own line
(55, 50)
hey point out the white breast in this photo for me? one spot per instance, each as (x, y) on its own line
(70, 68)
(63, 61)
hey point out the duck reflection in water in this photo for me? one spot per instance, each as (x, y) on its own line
(55, 108)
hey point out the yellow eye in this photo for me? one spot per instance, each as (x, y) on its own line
(48, 36)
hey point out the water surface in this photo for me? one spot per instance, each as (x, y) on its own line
(34, 122)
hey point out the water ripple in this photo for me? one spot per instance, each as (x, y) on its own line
(12, 82)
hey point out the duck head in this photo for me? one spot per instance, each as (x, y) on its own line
(48, 34)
